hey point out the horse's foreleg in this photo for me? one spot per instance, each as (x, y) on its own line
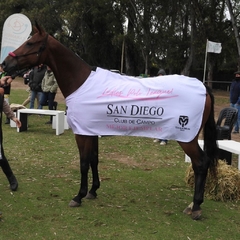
(84, 168)
(86, 151)
(95, 176)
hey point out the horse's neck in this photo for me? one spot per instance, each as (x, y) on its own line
(70, 70)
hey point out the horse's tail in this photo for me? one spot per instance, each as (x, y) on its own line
(210, 137)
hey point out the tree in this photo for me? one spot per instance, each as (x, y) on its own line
(169, 34)
(235, 28)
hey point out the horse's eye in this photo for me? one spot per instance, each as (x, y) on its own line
(29, 43)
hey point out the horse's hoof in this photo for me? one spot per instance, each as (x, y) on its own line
(74, 204)
(187, 211)
(196, 215)
(90, 196)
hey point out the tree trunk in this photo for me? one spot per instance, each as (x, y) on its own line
(186, 70)
(235, 29)
(210, 73)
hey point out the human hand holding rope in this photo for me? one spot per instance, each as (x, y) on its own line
(5, 81)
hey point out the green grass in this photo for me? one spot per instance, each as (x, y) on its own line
(142, 193)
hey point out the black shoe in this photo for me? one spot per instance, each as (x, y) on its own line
(7, 121)
(13, 183)
(55, 104)
(49, 122)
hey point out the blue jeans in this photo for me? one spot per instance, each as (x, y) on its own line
(34, 95)
(237, 124)
(47, 99)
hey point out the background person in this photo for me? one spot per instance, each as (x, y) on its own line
(26, 81)
(35, 82)
(49, 87)
(235, 98)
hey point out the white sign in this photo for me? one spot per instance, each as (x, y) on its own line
(16, 30)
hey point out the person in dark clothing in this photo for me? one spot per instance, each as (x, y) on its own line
(7, 89)
(4, 107)
(35, 81)
(235, 98)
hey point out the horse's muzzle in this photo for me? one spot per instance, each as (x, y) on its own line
(10, 70)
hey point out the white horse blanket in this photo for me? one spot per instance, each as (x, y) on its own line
(165, 107)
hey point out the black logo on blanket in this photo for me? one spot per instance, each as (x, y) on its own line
(183, 120)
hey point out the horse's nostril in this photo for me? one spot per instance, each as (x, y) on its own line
(3, 64)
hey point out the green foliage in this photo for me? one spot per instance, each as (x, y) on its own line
(157, 33)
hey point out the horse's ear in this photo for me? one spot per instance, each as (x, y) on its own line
(37, 28)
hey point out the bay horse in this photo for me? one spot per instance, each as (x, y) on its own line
(71, 73)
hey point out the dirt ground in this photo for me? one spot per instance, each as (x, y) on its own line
(18, 83)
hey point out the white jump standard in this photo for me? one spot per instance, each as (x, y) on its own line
(23, 117)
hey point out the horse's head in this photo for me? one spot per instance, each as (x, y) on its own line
(31, 53)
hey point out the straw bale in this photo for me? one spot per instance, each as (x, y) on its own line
(225, 188)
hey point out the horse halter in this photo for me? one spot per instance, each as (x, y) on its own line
(39, 52)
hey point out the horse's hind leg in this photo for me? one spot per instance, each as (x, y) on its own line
(200, 164)
(88, 151)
